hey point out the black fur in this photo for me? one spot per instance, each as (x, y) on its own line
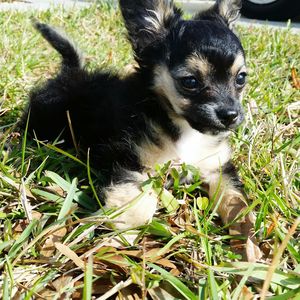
(70, 57)
(108, 115)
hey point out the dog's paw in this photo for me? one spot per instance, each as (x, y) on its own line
(252, 250)
(248, 249)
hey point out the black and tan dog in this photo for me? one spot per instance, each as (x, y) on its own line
(180, 104)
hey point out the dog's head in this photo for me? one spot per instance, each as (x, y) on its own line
(198, 65)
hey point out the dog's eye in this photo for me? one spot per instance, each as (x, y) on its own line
(241, 79)
(189, 83)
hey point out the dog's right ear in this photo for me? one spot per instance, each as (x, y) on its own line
(228, 10)
(148, 21)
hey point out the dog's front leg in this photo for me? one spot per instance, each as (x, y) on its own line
(227, 192)
(134, 207)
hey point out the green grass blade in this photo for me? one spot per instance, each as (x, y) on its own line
(21, 239)
(65, 153)
(175, 282)
(202, 295)
(212, 284)
(88, 279)
(79, 196)
(5, 288)
(292, 249)
(242, 282)
(24, 142)
(285, 279)
(174, 240)
(8, 280)
(67, 204)
(91, 181)
(158, 229)
(290, 295)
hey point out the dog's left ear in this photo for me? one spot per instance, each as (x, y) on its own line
(228, 10)
(148, 21)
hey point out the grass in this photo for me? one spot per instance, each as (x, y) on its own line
(52, 233)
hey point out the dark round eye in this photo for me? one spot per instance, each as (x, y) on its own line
(189, 83)
(241, 79)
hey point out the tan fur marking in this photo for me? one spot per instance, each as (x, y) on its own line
(224, 8)
(164, 84)
(229, 10)
(157, 17)
(198, 63)
(238, 65)
(151, 154)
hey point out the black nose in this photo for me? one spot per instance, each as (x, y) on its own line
(227, 117)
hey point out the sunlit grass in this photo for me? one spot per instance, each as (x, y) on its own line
(52, 235)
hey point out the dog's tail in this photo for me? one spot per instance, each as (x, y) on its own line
(71, 58)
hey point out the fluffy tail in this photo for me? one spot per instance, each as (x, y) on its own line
(70, 56)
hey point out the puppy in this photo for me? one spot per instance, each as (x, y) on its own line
(180, 104)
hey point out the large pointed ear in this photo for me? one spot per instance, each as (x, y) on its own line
(148, 21)
(228, 10)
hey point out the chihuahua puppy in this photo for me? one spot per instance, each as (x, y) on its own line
(180, 104)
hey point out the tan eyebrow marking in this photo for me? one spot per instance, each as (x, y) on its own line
(238, 63)
(197, 63)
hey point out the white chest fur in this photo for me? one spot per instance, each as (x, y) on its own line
(207, 152)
